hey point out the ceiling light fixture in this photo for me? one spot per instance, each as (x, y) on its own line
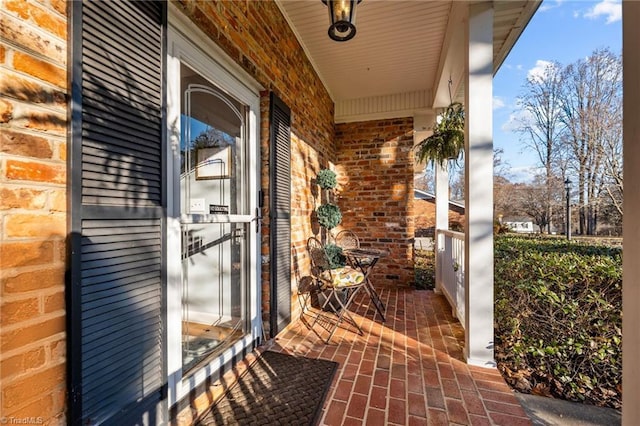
(342, 14)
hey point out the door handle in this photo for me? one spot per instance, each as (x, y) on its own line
(258, 219)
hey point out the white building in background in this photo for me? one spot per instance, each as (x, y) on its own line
(522, 226)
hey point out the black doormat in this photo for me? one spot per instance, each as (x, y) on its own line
(278, 389)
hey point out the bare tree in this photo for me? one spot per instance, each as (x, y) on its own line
(500, 166)
(502, 197)
(425, 180)
(530, 200)
(501, 185)
(456, 181)
(612, 147)
(542, 126)
(590, 101)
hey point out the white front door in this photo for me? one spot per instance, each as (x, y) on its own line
(212, 248)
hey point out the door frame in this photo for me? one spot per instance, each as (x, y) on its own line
(187, 44)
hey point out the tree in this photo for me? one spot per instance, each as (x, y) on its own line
(502, 192)
(500, 167)
(572, 119)
(612, 147)
(456, 181)
(501, 185)
(542, 126)
(592, 115)
(425, 180)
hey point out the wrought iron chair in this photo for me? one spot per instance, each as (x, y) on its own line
(348, 239)
(339, 286)
(360, 261)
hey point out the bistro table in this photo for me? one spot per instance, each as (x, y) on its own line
(365, 259)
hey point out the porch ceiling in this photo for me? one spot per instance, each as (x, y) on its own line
(403, 54)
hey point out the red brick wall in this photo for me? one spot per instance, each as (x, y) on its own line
(375, 163)
(425, 211)
(33, 55)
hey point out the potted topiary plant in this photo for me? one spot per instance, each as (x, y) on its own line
(326, 179)
(329, 216)
(447, 141)
(335, 258)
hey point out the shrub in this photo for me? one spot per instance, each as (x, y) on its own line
(326, 179)
(558, 318)
(424, 263)
(335, 258)
(329, 215)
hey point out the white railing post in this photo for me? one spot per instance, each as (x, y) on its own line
(438, 248)
(442, 217)
(452, 271)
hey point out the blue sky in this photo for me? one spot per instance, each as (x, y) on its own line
(563, 31)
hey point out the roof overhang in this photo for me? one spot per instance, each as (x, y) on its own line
(403, 55)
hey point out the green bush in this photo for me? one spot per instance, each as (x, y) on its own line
(329, 215)
(558, 318)
(335, 258)
(425, 270)
(326, 179)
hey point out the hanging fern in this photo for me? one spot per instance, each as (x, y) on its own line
(329, 216)
(447, 141)
(326, 179)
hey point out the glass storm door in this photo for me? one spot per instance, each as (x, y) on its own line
(215, 219)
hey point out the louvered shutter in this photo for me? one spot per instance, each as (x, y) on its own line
(280, 215)
(116, 328)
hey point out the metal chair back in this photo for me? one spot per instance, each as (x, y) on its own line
(347, 239)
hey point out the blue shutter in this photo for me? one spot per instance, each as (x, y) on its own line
(116, 332)
(280, 215)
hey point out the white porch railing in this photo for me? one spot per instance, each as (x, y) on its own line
(450, 272)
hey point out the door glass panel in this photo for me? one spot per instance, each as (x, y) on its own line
(212, 147)
(214, 247)
(212, 292)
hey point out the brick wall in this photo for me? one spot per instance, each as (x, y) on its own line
(33, 55)
(425, 211)
(375, 163)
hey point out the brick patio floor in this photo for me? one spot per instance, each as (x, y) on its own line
(408, 370)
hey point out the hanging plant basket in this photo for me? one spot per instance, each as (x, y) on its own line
(329, 216)
(447, 141)
(326, 179)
